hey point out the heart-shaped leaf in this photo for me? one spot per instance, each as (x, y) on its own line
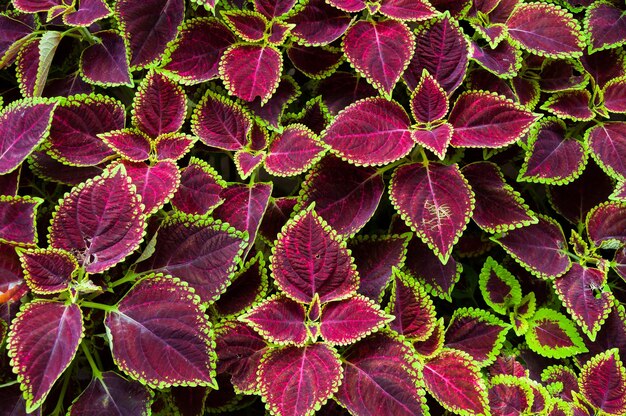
(17, 224)
(372, 131)
(602, 382)
(155, 184)
(346, 321)
(106, 63)
(159, 106)
(605, 24)
(553, 335)
(412, 308)
(100, 221)
(248, 25)
(48, 270)
(293, 151)
(279, 320)
(510, 395)
(173, 325)
(173, 146)
(200, 188)
(606, 224)
(380, 51)
(318, 23)
(607, 142)
(321, 264)
(429, 102)
(436, 139)
(87, 13)
(574, 105)
(499, 287)
(42, 342)
(246, 162)
(129, 143)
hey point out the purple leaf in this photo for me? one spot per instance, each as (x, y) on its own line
(613, 93)
(578, 290)
(248, 286)
(309, 258)
(9, 183)
(573, 105)
(50, 169)
(149, 26)
(348, 5)
(158, 317)
(443, 51)
(373, 131)
(17, 220)
(498, 206)
(112, 394)
(606, 224)
(246, 162)
(510, 395)
(605, 25)
(454, 380)
(482, 119)
(539, 248)
(346, 205)
(251, 71)
(342, 89)
(478, 333)
(611, 335)
(412, 308)
(88, 12)
(49, 270)
(173, 146)
(274, 8)
(380, 51)
(429, 102)
(159, 106)
(12, 400)
(71, 84)
(293, 151)
(279, 320)
(499, 287)
(435, 201)
(76, 125)
(504, 60)
(24, 124)
(200, 188)
(407, 9)
(221, 123)
(553, 335)
(315, 62)
(377, 375)
(198, 250)
(278, 32)
(270, 112)
(43, 340)
(561, 75)
(129, 143)
(375, 257)
(317, 23)
(314, 115)
(603, 66)
(276, 216)
(436, 139)
(602, 382)
(346, 321)
(34, 6)
(15, 30)
(250, 26)
(195, 55)
(552, 157)
(100, 221)
(607, 143)
(106, 63)
(545, 29)
(155, 184)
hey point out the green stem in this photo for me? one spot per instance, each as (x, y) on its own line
(10, 383)
(571, 255)
(95, 305)
(128, 277)
(87, 35)
(66, 382)
(424, 157)
(94, 368)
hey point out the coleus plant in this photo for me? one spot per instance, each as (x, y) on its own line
(338, 207)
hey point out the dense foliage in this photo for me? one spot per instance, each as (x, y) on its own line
(394, 207)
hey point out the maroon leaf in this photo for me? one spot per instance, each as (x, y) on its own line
(298, 380)
(561, 75)
(373, 131)
(159, 106)
(34, 6)
(435, 201)
(173, 325)
(499, 287)
(497, 123)
(347, 321)
(553, 335)
(429, 102)
(602, 382)
(607, 143)
(342, 89)
(412, 308)
(48, 271)
(131, 144)
(293, 151)
(605, 25)
(276, 216)
(603, 66)
(106, 63)
(314, 115)
(498, 206)
(155, 183)
(436, 139)
(570, 104)
(173, 146)
(310, 259)
(270, 112)
(149, 26)
(613, 94)
(346, 205)
(43, 340)
(88, 12)
(279, 320)
(50, 169)
(250, 26)
(317, 23)
(443, 51)
(539, 248)
(606, 224)
(278, 32)
(17, 224)
(348, 5)
(15, 30)
(246, 162)
(200, 188)
(380, 51)
(273, 8)
(315, 62)
(510, 395)
(407, 9)
(248, 286)
(504, 60)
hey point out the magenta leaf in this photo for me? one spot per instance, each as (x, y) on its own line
(478, 333)
(200, 188)
(251, 71)
(24, 125)
(248, 286)
(602, 382)
(173, 146)
(17, 224)
(34, 6)
(15, 30)
(246, 162)
(76, 125)
(159, 106)
(553, 335)
(42, 342)
(613, 94)
(250, 26)
(377, 375)
(270, 112)
(573, 105)
(545, 29)
(129, 143)
(221, 123)
(318, 23)
(482, 119)
(88, 12)
(106, 63)
(155, 184)
(606, 224)
(279, 320)
(315, 62)
(309, 258)
(500, 289)
(173, 325)
(443, 51)
(372, 131)
(453, 379)
(198, 250)
(348, 5)
(273, 8)
(293, 151)
(346, 205)
(100, 221)
(347, 321)
(276, 216)
(342, 89)
(195, 54)
(112, 394)
(498, 206)
(407, 9)
(504, 60)
(605, 25)
(539, 248)
(380, 51)
(298, 380)
(375, 257)
(436, 139)
(429, 102)
(278, 32)
(48, 270)
(149, 26)
(552, 157)
(607, 142)
(412, 308)
(510, 395)
(435, 201)
(583, 293)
